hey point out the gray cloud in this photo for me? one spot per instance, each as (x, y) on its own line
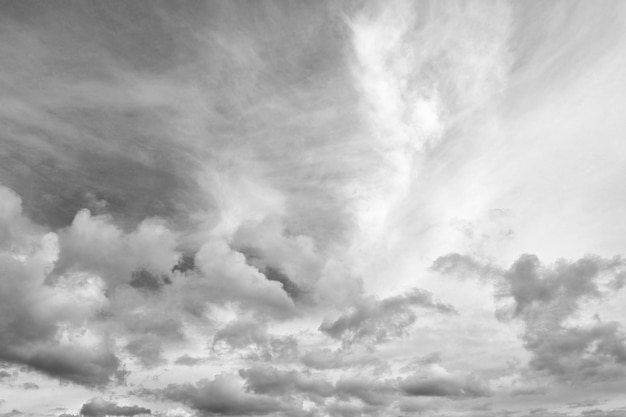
(97, 407)
(544, 297)
(463, 265)
(187, 360)
(617, 412)
(252, 339)
(147, 350)
(143, 279)
(376, 393)
(222, 396)
(444, 386)
(29, 339)
(324, 359)
(272, 381)
(378, 321)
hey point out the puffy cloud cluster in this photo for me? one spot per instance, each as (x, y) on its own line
(548, 300)
(43, 326)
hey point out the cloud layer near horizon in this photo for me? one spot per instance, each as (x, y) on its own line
(358, 208)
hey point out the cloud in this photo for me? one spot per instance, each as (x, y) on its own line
(187, 360)
(96, 244)
(229, 278)
(147, 350)
(97, 407)
(244, 183)
(251, 339)
(544, 298)
(31, 331)
(222, 395)
(376, 393)
(377, 321)
(437, 382)
(272, 381)
(357, 356)
(597, 412)
(529, 391)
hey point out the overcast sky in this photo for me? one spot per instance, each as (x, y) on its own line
(312, 208)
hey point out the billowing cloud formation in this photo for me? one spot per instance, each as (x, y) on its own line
(41, 325)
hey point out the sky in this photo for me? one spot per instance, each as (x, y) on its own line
(312, 208)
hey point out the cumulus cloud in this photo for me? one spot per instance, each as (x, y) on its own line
(96, 244)
(33, 313)
(230, 278)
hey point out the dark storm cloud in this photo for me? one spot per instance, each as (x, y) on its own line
(222, 395)
(97, 407)
(381, 320)
(544, 297)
